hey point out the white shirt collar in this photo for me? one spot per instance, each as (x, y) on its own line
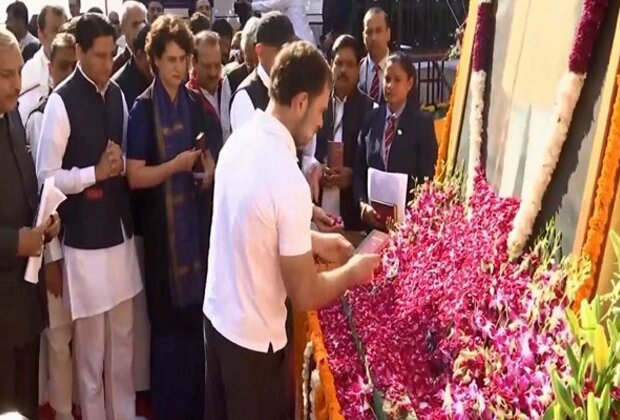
(398, 112)
(274, 126)
(264, 77)
(29, 38)
(382, 64)
(207, 95)
(102, 91)
(338, 101)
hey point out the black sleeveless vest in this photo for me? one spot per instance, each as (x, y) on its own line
(257, 91)
(92, 219)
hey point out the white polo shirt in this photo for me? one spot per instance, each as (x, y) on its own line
(261, 210)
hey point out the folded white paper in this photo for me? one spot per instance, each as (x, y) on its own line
(51, 197)
(388, 187)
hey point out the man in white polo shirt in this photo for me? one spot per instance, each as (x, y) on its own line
(262, 248)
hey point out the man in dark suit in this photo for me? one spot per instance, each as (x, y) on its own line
(135, 76)
(342, 122)
(133, 17)
(22, 304)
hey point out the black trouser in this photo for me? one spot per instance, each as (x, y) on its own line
(178, 373)
(242, 384)
(19, 379)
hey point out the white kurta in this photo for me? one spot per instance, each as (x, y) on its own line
(95, 281)
(294, 10)
(35, 83)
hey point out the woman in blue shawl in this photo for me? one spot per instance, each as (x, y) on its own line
(175, 216)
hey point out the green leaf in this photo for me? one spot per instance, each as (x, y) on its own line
(578, 413)
(592, 408)
(562, 394)
(601, 349)
(605, 402)
(549, 413)
(596, 304)
(574, 364)
(573, 386)
(573, 323)
(588, 321)
(583, 365)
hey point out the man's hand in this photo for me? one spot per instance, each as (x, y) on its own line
(53, 229)
(314, 175)
(53, 278)
(110, 163)
(370, 216)
(332, 247)
(341, 178)
(116, 159)
(324, 222)
(30, 240)
(362, 268)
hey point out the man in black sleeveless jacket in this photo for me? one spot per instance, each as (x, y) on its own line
(274, 30)
(84, 126)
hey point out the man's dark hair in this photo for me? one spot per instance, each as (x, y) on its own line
(299, 67)
(90, 27)
(222, 28)
(95, 10)
(168, 28)
(198, 23)
(19, 11)
(375, 10)
(140, 43)
(55, 10)
(347, 41)
(274, 29)
(33, 25)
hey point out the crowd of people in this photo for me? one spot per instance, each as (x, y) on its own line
(197, 165)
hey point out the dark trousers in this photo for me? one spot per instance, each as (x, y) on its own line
(178, 374)
(243, 384)
(19, 379)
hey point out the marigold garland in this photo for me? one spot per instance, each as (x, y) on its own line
(332, 410)
(444, 138)
(604, 196)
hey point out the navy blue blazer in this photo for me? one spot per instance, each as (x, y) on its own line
(413, 151)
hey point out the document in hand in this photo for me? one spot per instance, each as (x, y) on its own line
(374, 243)
(389, 188)
(51, 197)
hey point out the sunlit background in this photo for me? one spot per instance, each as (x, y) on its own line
(223, 8)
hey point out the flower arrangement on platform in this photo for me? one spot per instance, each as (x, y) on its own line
(592, 389)
(454, 328)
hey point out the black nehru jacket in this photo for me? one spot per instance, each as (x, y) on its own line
(256, 89)
(237, 76)
(92, 219)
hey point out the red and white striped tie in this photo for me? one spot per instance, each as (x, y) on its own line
(388, 139)
(375, 88)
